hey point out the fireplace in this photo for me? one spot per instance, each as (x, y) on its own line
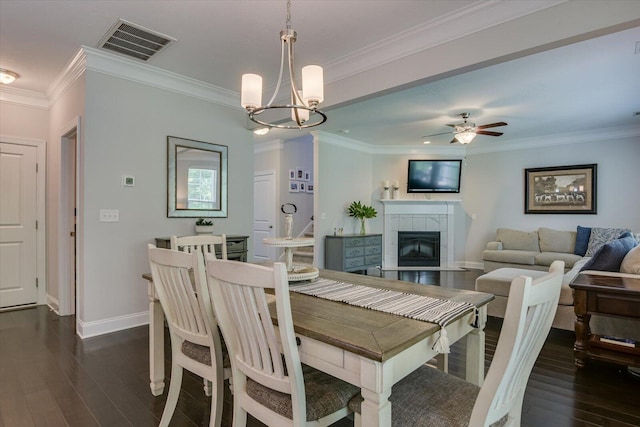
(418, 249)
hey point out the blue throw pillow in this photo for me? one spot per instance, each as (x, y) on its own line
(582, 240)
(610, 255)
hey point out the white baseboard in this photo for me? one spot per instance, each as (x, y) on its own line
(114, 324)
(53, 304)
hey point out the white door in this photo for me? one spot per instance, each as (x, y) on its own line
(18, 195)
(264, 214)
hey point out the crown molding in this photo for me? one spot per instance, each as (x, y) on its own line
(72, 71)
(25, 98)
(127, 69)
(543, 141)
(477, 17)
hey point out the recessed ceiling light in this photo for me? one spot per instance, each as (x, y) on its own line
(7, 76)
(426, 142)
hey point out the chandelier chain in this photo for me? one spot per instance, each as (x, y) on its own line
(288, 14)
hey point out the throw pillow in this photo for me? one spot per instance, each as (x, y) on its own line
(600, 236)
(631, 262)
(610, 255)
(582, 240)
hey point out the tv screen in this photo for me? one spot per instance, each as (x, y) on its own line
(434, 176)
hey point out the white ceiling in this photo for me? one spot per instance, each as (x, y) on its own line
(592, 84)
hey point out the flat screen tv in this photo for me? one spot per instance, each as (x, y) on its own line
(434, 176)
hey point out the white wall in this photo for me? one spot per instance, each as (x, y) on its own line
(494, 189)
(125, 132)
(343, 175)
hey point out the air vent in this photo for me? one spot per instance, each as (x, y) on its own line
(134, 40)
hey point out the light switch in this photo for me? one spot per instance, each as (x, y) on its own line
(109, 215)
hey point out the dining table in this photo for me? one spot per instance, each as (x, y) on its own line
(370, 349)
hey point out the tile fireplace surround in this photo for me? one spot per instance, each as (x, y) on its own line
(418, 215)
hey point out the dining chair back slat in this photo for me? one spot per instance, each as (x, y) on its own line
(203, 242)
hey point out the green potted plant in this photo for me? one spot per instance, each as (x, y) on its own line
(204, 226)
(362, 212)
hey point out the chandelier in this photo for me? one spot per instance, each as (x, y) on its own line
(303, 107)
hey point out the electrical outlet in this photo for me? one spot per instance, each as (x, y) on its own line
(109, 215)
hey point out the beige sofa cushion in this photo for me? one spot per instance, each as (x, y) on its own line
(518, 240)
(547, 258)
(556, 240)
(631, 262)
(511, 256)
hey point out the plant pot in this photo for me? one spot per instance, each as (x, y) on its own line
(204, 229)
(362, 227)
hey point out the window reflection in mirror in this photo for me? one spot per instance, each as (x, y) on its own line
(197, 184)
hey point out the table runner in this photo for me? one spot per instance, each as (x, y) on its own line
(419, 307)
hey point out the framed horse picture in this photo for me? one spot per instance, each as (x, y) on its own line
(560, 190)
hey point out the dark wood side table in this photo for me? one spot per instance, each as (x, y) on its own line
(608, 296)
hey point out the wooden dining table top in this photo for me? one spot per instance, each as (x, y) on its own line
(375, 335)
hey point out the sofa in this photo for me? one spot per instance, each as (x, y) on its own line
(531, 250)
(518, 256)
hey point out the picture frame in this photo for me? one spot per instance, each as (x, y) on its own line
(292, 174)
(293, 187)
(307, 176)
(310, 188)
(561, 190)
(303, 187)
(299, 174)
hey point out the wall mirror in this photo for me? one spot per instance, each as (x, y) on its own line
(196, 179)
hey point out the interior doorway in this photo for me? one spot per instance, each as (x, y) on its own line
(68, 221)
(264, 214)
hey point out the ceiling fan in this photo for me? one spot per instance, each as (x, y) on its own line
(465, 132)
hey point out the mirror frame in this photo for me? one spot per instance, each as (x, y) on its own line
(173, 143)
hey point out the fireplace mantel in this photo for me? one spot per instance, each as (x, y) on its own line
(418, 215)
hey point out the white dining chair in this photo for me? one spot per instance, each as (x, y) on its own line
(429, 397)
(269, 381)
(203, 242)
(195, 340)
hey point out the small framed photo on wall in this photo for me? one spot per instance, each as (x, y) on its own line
(310, 188)
(299, 174)
(293, 187)
(292, 174)
(303, 187)
(307, 176)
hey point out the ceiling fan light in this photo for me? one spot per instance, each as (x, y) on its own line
(251, 92)
(465, 137)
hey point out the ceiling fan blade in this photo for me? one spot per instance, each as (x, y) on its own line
(492, 125)
(453, 141)
(453, 124)
(486, 132)
(436, 134)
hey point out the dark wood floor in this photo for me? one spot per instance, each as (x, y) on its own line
(49, 377)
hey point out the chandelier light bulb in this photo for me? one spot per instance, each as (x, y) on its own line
(465, 137)
(251, 93)
(312, 85)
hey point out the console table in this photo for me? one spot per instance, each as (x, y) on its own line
(353, 252)
(236, 246)
(609, 296)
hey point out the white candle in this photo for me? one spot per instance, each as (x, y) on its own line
(385, 184)
(396, 184)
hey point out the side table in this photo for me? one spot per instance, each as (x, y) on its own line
(606, 295)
